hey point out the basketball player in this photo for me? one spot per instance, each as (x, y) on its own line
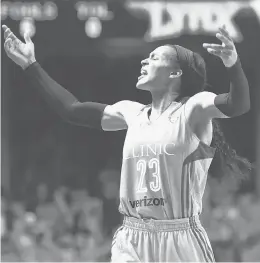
(167, 152)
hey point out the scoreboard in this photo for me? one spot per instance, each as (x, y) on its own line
(62, 24)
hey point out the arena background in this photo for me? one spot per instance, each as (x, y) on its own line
(60, 182)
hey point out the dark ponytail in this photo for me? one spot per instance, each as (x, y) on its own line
(226, 161)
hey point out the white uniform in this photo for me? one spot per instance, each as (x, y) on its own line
(164, 173)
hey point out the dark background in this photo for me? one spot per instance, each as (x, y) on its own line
(38, 147)
(96, 70)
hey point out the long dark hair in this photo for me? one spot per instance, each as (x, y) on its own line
(226, 161)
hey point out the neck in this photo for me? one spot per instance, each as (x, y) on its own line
(161, 101)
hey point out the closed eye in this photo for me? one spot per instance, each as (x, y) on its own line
(153, 57)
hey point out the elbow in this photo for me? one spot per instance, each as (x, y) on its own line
(246, 106)
(67, 114)
(238, 111)
(235, 110)
(241, 106)
(73, 115)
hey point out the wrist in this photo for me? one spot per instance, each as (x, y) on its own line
(231, 63)
(28, 63)
(235, 65)
(235, 70)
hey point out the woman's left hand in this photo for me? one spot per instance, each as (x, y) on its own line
(227, 51)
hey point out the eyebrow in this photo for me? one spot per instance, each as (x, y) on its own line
(152, 55)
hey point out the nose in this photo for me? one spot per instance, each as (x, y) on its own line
(144, 62)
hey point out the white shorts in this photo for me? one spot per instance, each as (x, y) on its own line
(179, 240)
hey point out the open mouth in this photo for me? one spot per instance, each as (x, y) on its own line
(143, 73)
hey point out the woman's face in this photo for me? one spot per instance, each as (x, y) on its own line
(157, 69)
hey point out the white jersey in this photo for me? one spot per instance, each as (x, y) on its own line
(165, 166)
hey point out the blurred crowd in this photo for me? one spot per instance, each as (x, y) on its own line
(68, 225)
(63, 226)
(231, 218)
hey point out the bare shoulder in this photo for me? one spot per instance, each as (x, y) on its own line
(118, 115)
(124, 107)
(197, 109)
(203, 104)
(202, 98)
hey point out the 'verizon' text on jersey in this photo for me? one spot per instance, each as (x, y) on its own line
(164, 167)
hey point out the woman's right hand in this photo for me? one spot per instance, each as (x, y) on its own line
(20, 53)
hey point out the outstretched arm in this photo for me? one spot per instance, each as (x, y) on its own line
(90, 114)
(237, 101)
(63, 102)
